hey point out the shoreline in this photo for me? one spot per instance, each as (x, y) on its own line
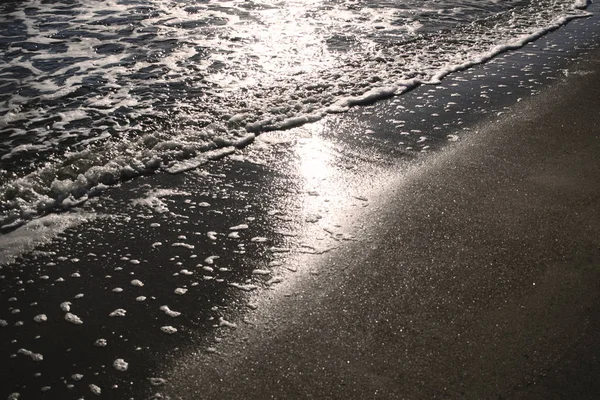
(53, 187)
(335, 202)
(486, 285)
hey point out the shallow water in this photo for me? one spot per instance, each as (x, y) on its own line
(94, 93)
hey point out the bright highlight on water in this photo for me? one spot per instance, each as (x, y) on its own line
(93, 93)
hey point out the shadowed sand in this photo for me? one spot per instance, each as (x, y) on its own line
(480, 278)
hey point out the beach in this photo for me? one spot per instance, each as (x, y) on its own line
(439, 244)
(479, 278)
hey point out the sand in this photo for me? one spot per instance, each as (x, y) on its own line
(486, 283)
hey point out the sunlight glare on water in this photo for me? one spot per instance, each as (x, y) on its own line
(285, 40)
(316, 157)
(98, 92)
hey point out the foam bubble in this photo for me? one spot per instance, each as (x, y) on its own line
(120, 365)
(186, 245)
(224, 323)
(40, 318)
(72, 318)
(259, 271)
(170, 312)
(157, 381)
(119, 312)
(212, 235)
(95, 389)
(31, 354)
(275, 249)
(245, 288)
(168, 329)
(238, 227)
(210, 260)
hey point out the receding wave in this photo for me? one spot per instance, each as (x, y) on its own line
(93, 93)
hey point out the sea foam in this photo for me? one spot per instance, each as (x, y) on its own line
(133, 121)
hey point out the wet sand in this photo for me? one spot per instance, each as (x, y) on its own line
(476, 275)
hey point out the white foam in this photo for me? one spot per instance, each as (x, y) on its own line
(180, 244)
(31, 354)
(200, 160)
(245, 288)
(119, 312)
(40, 318)
(37, 232)
(287, 80)
(210, 260)
(581, 4)
(157, 381)
(187, 165)
(212, 235)
(275, 249)
(259, 271)
(170, 312)
(95, 389)
(168, 329)
(180, 291)
(226, 324)
(120, 365)
(153, 199)
(72, 318)
(368, 97)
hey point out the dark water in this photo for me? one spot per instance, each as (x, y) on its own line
(99, 92)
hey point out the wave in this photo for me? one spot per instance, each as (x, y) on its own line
(146, 100)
